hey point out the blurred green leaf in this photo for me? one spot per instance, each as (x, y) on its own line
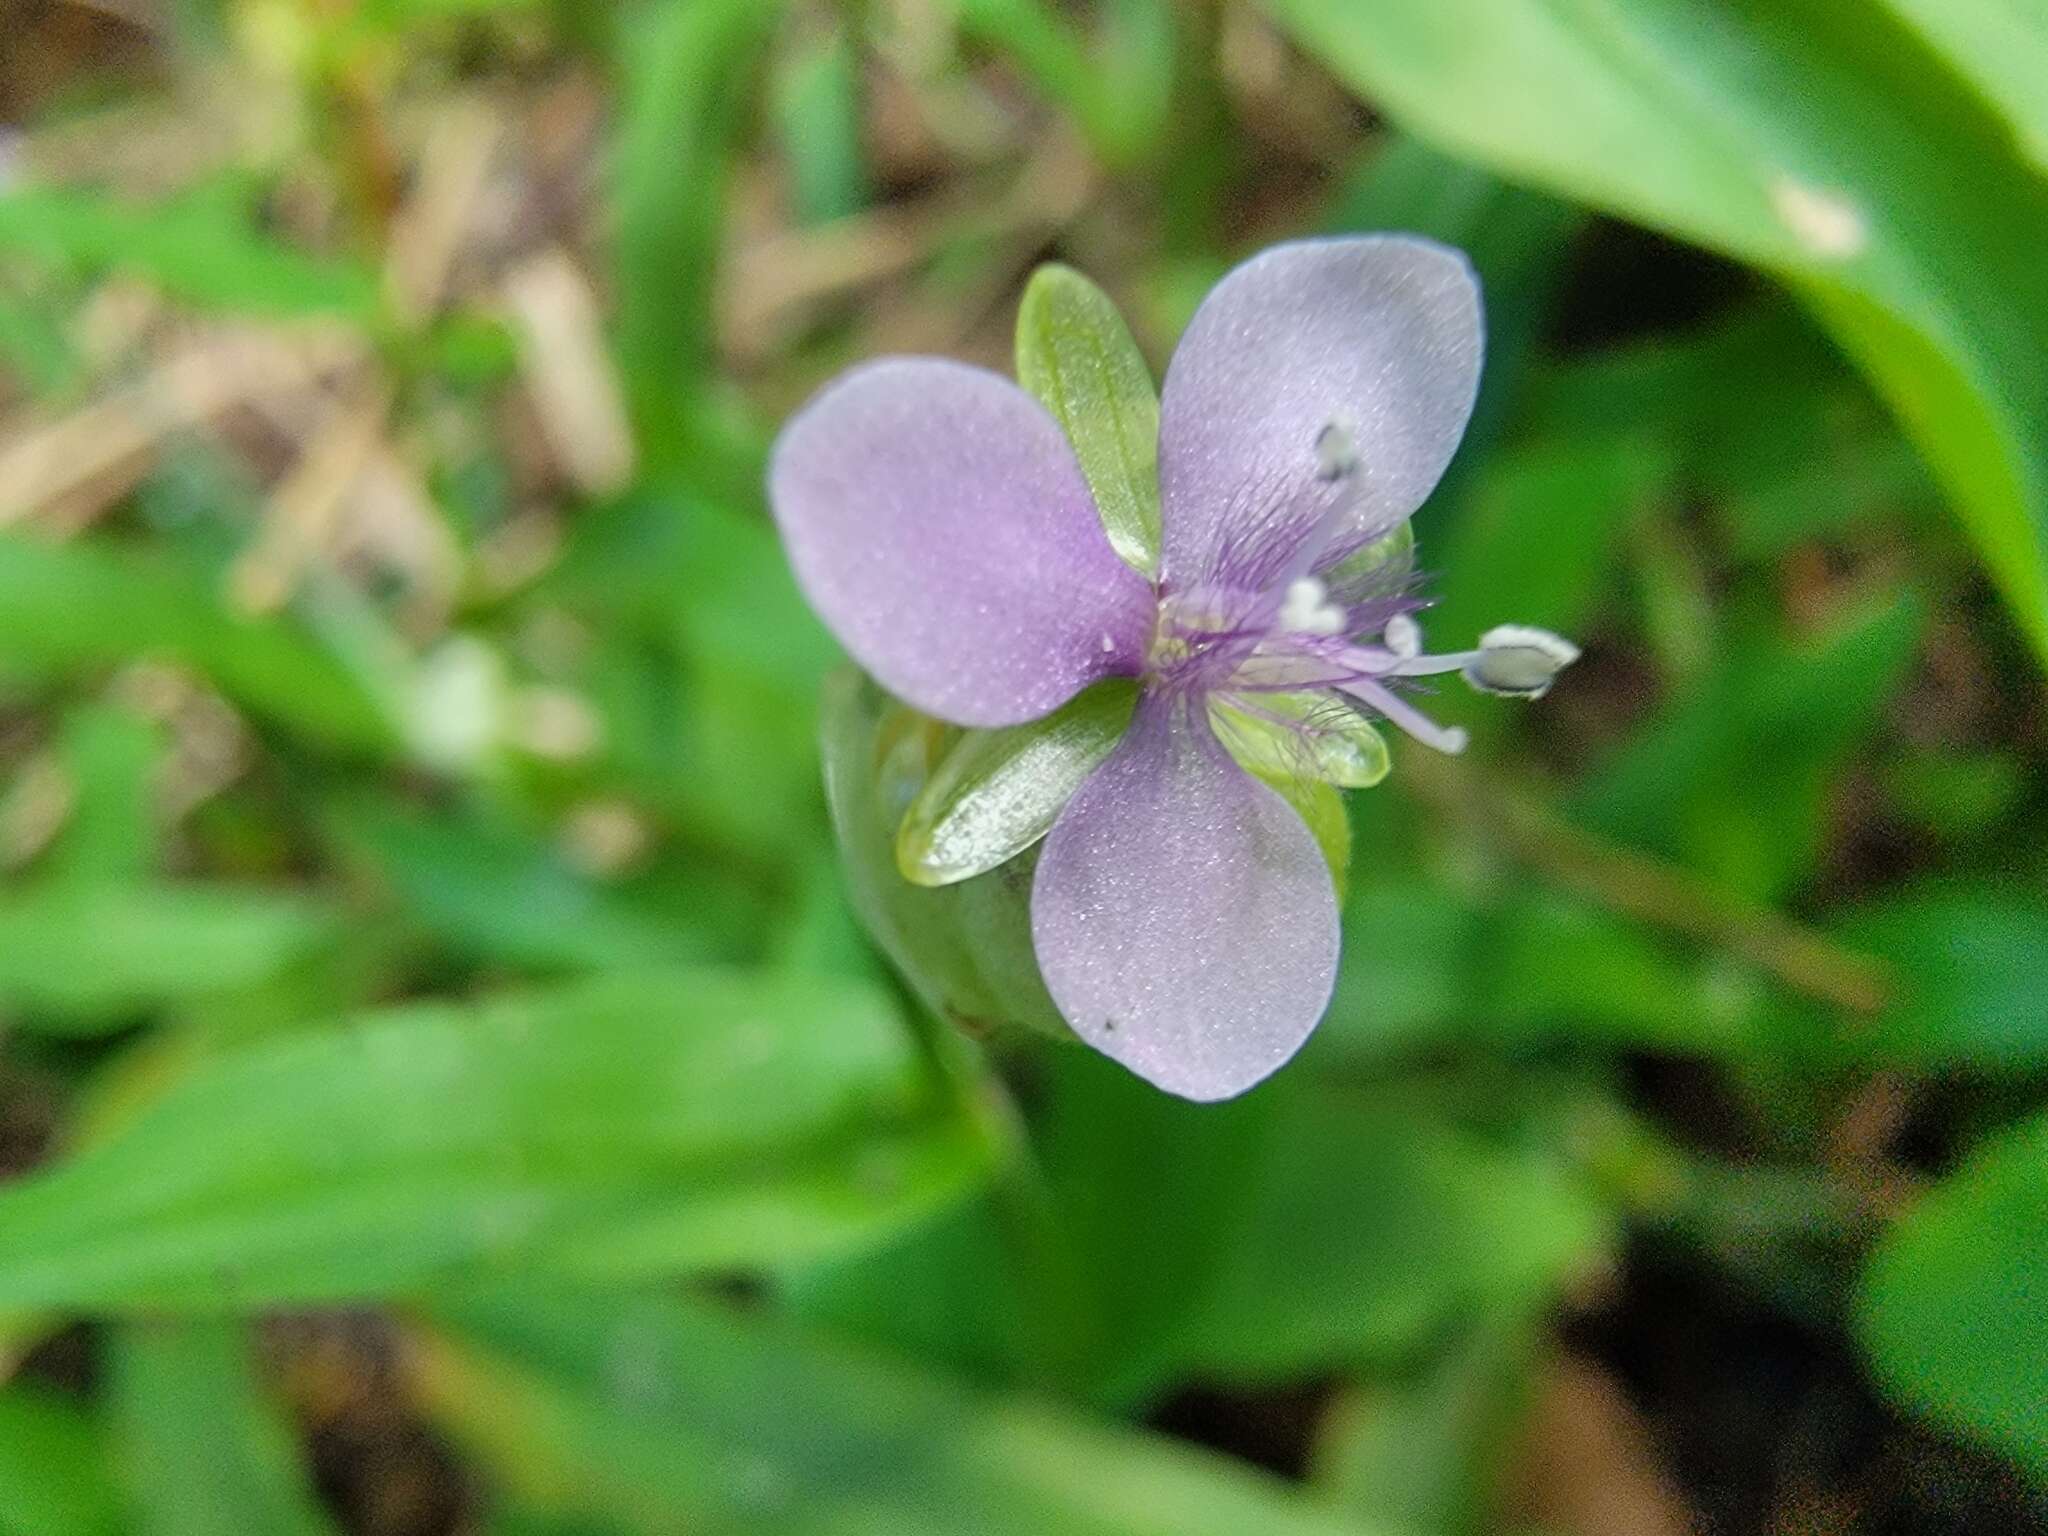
(1285, 1234)
(55, 1479)
(1424, 1452)
(1686, 785)
(638, 1125)
(1540, 534)
(1368, 1225)
(1970, 972)
(996, 793)
(494, 893)
(1816, 139)
(68, 607)
(671, 1415)
(2001, 47)
(816, 99)
(1076, 355)
(203, 1451)
(1118, 87)
(1950, 1310)
(110, 754)
(82, 958)
(686, 71)
(206, 249)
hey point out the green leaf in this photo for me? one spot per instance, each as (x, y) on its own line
(1076, 355)
(996, 793)
(2001, 47)
(817, 101)
(1540, 533)
(1950, 1309)
(1425, 1452)
(1970, 969)
(965, 949)
(89, 957)
(1686, 784)
(110, 754)
(54, 605)
(1816, 139)
(1118, 91)
(687, 69)
(490, 892)
(1285, 1234)
(204, 1450)
(834, 1441)
(54, 1474)
(206, 249)
(1373, 1224)
(639, 1125)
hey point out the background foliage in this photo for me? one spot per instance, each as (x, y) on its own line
(442, 1087)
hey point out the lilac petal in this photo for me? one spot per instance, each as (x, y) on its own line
(1183, 916)
(939, 524)
(1316, 370)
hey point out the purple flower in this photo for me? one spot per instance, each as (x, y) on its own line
(1183, 916)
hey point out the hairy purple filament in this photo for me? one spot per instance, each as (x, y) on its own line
(1267, 621)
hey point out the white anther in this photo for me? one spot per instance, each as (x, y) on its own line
(1336, 451)
(1403, 636)
(1108, 643)
(1519, 661)
(1309, 611)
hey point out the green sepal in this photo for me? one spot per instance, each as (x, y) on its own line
(1076, 355)
(996, 793)
(965, 949)
(1323, 739)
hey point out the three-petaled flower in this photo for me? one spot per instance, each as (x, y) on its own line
(936, 517)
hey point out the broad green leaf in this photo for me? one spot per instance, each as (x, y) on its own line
(1970, 971)
(205, 249)
(1076, 355)
(204, 1451)
(965, 949)
(1950, 1310)
(55, 603)
(674, 1415)
(55, 1475)
(81, 958)
(1819, 140)
(638, 1125)
(995, 793)
(2001, 47)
